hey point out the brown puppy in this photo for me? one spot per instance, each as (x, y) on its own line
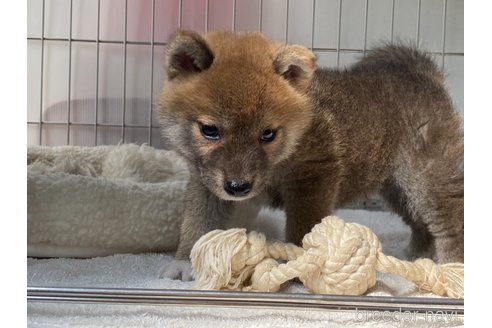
(260, 125)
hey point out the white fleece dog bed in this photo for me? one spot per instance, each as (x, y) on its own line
(96, 201)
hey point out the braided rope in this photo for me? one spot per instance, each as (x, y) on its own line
(336, 258)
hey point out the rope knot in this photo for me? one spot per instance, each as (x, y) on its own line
(441, 279)
(336, 258)
(350, 252)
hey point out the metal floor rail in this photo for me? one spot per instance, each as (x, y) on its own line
(247, 299)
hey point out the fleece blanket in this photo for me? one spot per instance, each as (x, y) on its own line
(142, 271)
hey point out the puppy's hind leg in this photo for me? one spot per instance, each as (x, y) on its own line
(421, 242)
(432, 192)
(447, 225)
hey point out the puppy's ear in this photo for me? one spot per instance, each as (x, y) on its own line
(187, 53)
(295, 63)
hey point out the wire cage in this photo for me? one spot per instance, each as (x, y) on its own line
(95, 67)
(95, 71)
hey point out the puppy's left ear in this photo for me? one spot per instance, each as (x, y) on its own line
(295, 63)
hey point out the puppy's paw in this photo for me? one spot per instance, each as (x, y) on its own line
(177, 269)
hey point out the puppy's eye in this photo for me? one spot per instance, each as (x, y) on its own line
(268, 135)
(210, 132)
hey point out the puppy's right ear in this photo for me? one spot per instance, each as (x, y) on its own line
(187, 53)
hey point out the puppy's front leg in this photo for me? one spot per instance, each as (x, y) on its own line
(306, 203)
(204, 212)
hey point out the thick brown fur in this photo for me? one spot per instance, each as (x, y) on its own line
(385, 125)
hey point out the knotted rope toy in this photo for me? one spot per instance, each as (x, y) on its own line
(336, 258)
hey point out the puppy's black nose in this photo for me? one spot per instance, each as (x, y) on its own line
(237, 188)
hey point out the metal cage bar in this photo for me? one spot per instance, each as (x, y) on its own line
(234, 14)
(69, 107)
(417, 36)
(392, 20)
(221, 298)
(339, 31)
(366, 10)
(180, 17)
(151, 102)
(125, 49)
(287, 22)
(98, 31)
(312, 27)
(156, 43)
(42, 76)
(445, 5)
(206, 15)
(260, 16)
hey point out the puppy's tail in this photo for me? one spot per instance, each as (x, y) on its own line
(402, 57)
